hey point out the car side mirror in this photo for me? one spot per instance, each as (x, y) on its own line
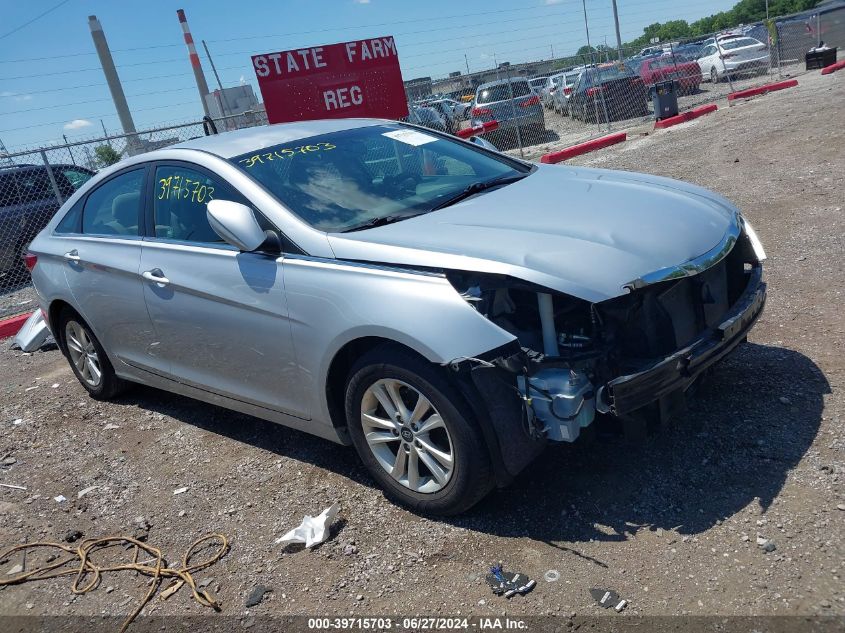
(235, 223)
(483, 142)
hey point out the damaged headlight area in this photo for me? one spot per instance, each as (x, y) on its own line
(560, 349)
(625, 356)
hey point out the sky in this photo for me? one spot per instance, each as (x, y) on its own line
(51, 83)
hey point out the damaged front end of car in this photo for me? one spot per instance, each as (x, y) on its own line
(628, 356)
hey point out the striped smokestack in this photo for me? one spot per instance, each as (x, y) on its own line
(195, 60)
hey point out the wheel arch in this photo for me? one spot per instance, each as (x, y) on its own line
(337, 377)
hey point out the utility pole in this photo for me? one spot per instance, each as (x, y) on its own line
(228, 109)
(467, 62)
(618, 36)
(5, 153)
(113, 81)
(202, 86)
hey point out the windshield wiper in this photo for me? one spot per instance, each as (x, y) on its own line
(379, 221)
(477, 187)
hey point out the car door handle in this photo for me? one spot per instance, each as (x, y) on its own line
(73, 256)
(156, 276)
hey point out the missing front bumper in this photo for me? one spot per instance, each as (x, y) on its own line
(626, 394)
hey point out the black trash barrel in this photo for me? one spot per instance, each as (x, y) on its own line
(664, 97)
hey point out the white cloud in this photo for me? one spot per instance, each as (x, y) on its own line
(77, 123)
(243, 80)
(552, 1)
(16, 96)
(361, 1)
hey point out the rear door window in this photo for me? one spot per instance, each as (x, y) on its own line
(114, 207)
(34, 185)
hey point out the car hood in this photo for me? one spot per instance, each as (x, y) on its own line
(585, 232)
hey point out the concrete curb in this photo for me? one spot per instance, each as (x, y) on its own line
(583, 148)
(683, 117)
(751, 92)
(11, 326)
(840, 65)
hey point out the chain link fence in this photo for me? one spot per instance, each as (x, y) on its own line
(34, 183)
(526, 108)
(581, 97)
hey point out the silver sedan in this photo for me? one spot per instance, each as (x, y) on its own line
(427, 299)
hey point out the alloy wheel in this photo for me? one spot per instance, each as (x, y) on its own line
(83, 354)
(407, 436)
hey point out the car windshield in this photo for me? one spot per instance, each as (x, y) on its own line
(501, 92)
(364, 176)
(609, 73)
(538, 83)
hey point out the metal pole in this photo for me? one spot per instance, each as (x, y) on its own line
(113, 81)
(64, 136)
(467, 62)
(52, 177)
(5, 153)
(818, 32)
(202, 86)
(513, 111)
(228, 109)
(767, 10)
(590, 68)
(618, 36)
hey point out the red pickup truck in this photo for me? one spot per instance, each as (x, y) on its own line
(686, 74)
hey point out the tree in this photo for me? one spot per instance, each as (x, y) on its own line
(106, 155)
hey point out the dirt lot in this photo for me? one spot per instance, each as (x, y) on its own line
(671, 523)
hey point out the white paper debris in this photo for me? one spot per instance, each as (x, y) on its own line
(313, 530)
(85, 491)
(31, 388)
(410, 137)
(55, 385)
(17, 422)
(110, 427)
(60, 498)
(179, 491)
(15, 570)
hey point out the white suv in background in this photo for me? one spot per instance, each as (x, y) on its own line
(732, 55)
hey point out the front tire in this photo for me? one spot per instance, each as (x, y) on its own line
(87, 358)
(415, 434)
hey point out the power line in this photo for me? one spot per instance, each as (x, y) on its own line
(75, 103)
(97, 116)
(37, 17)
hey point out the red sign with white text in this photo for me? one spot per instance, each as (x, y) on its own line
(352, 79)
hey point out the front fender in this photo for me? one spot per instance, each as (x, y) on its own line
(333, 302)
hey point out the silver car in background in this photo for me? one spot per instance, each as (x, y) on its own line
(514, 104)
(427, 300)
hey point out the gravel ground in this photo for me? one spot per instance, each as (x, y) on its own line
(671, 523)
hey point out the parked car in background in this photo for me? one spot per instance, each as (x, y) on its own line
(514, 104)
(733, 55)
(444, 108)
(27, 202)
(564, 82)
(427, 301)
(608, 91)
(427, 117)
(538, 83)
(685, 74)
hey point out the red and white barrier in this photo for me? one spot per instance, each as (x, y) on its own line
(683, 117)
(583, 148)
(487, 126)
(752, 92)
(840, 65)
(11, 326)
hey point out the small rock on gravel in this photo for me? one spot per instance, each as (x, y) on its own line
(256, 596)
(72, 535)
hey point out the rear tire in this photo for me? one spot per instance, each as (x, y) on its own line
(444, 470)
(714, 75)
(87, 358)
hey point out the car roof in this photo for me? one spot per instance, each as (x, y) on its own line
(237, 142)
(499, 82)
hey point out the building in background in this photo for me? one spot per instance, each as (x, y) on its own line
(235, 103)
